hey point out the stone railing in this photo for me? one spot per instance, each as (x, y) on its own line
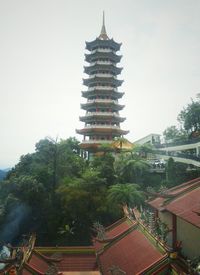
(102, 113)
(101, 126)
(102, 88)
(102, 101)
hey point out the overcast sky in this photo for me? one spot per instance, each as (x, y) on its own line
(42, 57)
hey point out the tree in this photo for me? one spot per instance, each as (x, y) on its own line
(170, 134)
(189, 117)
(173, 134)
(105, 166)
(175, 172)
(125, 194)
(34, 180)
(143, 150)
(83, 202)
(52, 161)
(28, 190)
(131, 168)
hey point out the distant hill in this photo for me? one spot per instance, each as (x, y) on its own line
(3, 173)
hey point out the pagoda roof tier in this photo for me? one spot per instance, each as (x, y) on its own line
(94, 143)
(108, 103)
(91, 116)
(102, 68)
(102, 80)
(92, 57)
(99, 91)
(109, 43)
(101, 129)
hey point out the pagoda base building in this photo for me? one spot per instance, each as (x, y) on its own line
(102, 118)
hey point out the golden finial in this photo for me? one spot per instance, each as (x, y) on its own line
(103, 34)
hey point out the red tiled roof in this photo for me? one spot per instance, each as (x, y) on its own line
(71, 258)
(118, 229)
(78, 263)
(132, 253)
(38, 263)
(185, 202)
(184, 187)
(26, 272)
(157, 203)
(98, 245)
(32, 269)
(186, 207)
(114, 231)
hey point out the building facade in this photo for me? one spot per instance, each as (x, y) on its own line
(153, 139)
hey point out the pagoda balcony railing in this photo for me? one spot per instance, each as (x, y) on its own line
(102, 101)
(102, 113)
(93, 141)
(102, 62)
(102, 51)
(102, 88)
(108, 126)
(102, 75)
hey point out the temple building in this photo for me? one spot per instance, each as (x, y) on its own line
(178, 208)
(102, 119)
(162, 237)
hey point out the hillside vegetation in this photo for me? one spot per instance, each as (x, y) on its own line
(60, 195)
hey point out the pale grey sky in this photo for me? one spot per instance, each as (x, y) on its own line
(42, 57)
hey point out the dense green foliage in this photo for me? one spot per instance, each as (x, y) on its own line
(60, 195)
(173, 134)
(57, 194)
(125, 194)
(189, 117)
(189, 124)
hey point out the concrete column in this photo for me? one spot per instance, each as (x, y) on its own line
(197, 151)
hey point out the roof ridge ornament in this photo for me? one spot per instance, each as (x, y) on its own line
(103, 35)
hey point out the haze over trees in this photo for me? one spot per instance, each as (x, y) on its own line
(2, 174)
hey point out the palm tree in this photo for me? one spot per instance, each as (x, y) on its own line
(125, 194)
(135, 169)
(131, 168)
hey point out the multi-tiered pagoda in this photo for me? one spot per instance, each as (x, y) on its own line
(102, 119)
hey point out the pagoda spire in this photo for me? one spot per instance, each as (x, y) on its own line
(103, 35)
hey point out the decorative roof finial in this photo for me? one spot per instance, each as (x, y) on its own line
(103, 34)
